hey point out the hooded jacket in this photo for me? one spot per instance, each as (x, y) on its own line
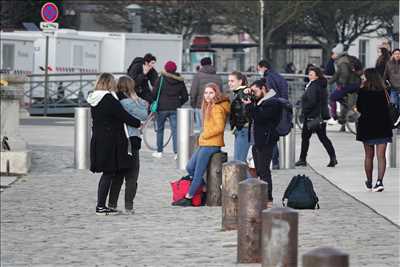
(265, 116)
(214, 125)
(344, 74)
(173, 92)
(392, 74)
(109, 145)
(206, 74)
(135, 71)
(238, 117)
(314, 101)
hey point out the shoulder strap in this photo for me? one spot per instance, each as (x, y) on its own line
(387, 96)
(159, 87)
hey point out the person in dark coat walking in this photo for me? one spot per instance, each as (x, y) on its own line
(142, 72)
(265, 112)
(314, 103)
(109, 143)
(173, 94)
(374, 127)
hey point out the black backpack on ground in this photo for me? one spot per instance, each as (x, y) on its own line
(300, 194)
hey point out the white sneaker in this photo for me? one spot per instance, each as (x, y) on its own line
(176, 157)
(331, 121)
(157, 155)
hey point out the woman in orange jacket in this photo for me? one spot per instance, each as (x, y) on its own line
(215, 109)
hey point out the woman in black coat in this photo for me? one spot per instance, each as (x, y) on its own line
(314, 103)
(374, 127)
(109, 144)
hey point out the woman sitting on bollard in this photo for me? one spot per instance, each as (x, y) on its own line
(136, 107)
(215, 109)
(314, 104)
(109, 145)
(374, 127)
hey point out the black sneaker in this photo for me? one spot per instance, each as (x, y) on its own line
(378, 186)
(184, 202)
(332, 163)
(368, 185)
(105, 211)
(300, 162)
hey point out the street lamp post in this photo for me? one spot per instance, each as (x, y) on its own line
(261, 29)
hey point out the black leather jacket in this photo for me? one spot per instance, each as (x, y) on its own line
(239, 116)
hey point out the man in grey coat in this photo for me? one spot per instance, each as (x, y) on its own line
(206, 74)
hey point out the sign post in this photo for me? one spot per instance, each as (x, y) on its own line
(49, 14)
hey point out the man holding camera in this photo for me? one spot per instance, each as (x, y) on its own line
(265, 112)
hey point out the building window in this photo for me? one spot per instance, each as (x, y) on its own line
(363, 51)
(8, 56)
(77, 53)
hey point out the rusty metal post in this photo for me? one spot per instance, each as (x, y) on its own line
(252, 200)
(214, 178)
(233, 173)
(327, 257)
(279, 237)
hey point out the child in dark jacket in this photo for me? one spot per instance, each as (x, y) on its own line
(136, 107)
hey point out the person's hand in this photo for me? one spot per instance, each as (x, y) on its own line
(246, 101)
(146, 68)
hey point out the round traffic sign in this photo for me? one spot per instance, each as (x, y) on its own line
(49, 12)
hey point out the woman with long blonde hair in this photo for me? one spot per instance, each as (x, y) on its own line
(215, 108)
(109, 145)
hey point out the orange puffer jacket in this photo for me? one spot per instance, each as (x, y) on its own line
(214, 125)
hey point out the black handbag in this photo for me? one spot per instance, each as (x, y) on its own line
(394, 113)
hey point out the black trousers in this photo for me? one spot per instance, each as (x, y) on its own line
(262, 156)
(131, 177)
(104, 187)
(321, 133)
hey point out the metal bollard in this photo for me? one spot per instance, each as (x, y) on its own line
(184, 132)
(392, 151)
(327, 257)
(82, 138)
(214, 178)
(252, 200)
(279, 237)
(287, 150)
(233, 173)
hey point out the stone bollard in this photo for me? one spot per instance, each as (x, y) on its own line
(252, 200)
(233, 173)
(279, 237)
(325, 256)
(214, 178)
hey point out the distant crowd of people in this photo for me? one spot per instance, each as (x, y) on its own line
(119, 108)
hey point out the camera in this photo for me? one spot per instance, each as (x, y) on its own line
(247, 96)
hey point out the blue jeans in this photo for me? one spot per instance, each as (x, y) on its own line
(395, 98)
(197, 120)
(197, 166)
(242, 145)
(161, 118)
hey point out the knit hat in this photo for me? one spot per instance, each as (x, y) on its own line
(338, 49)
(170, 66)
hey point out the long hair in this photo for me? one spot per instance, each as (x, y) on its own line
(239, 76)
(126, 85)
(207, 107)
(105, 82)
(373, 80)
(384, 57)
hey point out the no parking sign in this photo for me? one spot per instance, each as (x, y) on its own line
(49, 13)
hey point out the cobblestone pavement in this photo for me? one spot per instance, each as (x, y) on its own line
(48, 219)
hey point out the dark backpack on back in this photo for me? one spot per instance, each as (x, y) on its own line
(300, 194)
(356, 65)
(285, 124)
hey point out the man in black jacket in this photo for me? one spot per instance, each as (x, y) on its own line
(142, 71)
(265, 115)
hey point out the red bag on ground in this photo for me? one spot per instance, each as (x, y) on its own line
(179, 189)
